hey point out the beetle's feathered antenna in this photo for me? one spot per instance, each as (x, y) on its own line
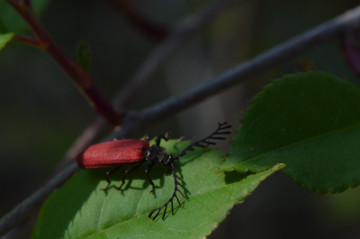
(209, 140)
(171, 200)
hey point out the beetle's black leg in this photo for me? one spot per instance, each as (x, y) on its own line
(216, 135)
(164, 137)
(127, 172)
(147, 172)
(174, 196)
(108, 173)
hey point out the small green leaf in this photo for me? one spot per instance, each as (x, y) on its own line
(12, 20)
(310, 122)
(83, 54)
(81, 210)
(5, 38)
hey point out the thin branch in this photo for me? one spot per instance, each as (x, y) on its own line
(27, 206)
(28, 40)
(145, 25)
(134, 120)
(87, 136)
(28, 3)
(176, 38)
(351, 52)
(74, 70)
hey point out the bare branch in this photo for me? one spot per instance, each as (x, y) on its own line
(28, 3)
(176, 38)
(28, 40)
(87, 136)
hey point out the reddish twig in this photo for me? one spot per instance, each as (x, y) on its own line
(142, 23)
(351, 52)
(28, 3)
(175, 39)
(74, 70)
(28, 40)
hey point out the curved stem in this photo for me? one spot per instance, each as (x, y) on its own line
(145, 25)
(176, 38)
(28, 40)
(74, 70)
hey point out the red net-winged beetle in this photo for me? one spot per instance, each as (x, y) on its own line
(134, 151)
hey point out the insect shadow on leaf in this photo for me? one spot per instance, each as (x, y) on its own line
(128, 151)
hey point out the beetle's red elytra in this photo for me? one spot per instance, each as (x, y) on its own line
(133, 151)
(113, 153)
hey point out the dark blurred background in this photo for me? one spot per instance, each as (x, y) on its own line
(42, 112)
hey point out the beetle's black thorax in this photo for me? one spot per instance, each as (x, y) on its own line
(157, 154)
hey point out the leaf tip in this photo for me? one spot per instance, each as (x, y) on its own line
(5, 38)
(279, 166)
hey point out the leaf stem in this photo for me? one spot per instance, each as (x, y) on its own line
(28, 40)
(143, 24)
(74, 70)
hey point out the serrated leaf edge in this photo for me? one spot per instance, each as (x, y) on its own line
(235, 201)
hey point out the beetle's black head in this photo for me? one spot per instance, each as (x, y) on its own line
(157, 154)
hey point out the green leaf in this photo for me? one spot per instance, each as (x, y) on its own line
(83, 54)
(5, 38)
(12, 20)
(81, 210)
(310, 122)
